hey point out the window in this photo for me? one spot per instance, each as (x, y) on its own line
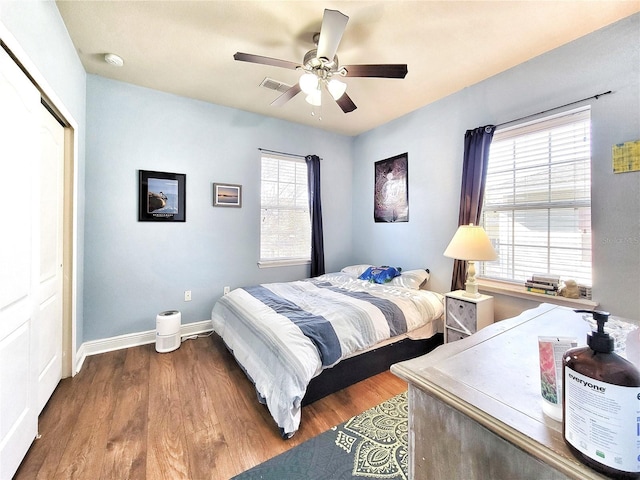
(285, 227)
(537, 201)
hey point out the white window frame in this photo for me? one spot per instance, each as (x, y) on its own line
(517, 240)
(287, 196)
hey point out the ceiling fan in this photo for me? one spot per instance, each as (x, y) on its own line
(321, 66)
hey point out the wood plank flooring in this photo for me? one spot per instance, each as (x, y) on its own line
(187, 414)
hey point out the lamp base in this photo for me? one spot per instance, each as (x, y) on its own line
(471, 293)
(471, 286)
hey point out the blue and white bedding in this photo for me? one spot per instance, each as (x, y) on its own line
(284, 334)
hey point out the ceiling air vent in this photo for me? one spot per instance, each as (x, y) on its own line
(272, 84)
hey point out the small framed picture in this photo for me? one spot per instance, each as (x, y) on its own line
(161, 196)
(227, 195)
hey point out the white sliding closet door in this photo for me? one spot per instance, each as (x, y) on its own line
(48, 327)
(19, 262)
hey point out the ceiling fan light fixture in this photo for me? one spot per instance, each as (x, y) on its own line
(308, 83)
(336, 88)
(321, 66)
(315, 98)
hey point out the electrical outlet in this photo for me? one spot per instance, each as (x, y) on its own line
(187, 295)
(225, 290)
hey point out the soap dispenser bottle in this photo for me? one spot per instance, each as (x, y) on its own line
(601, 404)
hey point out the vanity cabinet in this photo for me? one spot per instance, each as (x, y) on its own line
(475, 409)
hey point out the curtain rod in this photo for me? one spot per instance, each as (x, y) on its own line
(554, 108)
(266, 150)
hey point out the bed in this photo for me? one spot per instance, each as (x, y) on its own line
(290, 338)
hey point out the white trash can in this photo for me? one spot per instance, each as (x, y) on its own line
(168, 331)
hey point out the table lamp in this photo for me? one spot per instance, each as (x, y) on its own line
(472, 244)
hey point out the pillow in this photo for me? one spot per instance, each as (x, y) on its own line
(355, 270)
(412, 279)
(380, 274)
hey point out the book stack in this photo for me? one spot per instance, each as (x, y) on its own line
(545, 284)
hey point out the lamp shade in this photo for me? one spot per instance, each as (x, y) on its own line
(470, 243)
(336, 88)
(308, 83)
(315, 98)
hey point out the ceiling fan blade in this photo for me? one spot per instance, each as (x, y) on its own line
(286, 96)
(274, 62)
(345, 103)
(333, 25)
(380, 71)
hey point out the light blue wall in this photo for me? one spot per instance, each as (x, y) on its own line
(431, 137)
(136, 269)
(39, 30)
(608, 59)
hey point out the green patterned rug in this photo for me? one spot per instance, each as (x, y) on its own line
(373, 444)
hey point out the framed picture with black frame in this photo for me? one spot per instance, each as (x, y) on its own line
(162, 196)
(391, 189)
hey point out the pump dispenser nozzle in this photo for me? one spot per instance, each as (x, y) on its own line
(599, 341)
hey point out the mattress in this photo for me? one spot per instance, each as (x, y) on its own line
(284, 334)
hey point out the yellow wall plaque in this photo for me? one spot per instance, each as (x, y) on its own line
(626, 157)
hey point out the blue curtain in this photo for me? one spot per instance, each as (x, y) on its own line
(474, 176)
(315, 210)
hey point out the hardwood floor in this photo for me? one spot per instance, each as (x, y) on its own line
(187, 414)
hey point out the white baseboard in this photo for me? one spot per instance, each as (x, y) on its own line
(95, 347)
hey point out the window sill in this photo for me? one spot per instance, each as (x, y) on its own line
(282, 263)
(518, 291)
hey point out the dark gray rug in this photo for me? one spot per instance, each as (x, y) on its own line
(373, 444)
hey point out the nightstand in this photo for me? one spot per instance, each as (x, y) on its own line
(466, 315)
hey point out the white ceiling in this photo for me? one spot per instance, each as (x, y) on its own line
(187, 47)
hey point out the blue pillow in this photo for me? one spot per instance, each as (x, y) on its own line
(380, 274)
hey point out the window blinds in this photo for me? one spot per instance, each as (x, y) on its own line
(285, 227)
(537, 203)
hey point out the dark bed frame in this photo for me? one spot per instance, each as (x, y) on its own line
(365, 365)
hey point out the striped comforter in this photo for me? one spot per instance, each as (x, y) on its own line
(284, 334)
